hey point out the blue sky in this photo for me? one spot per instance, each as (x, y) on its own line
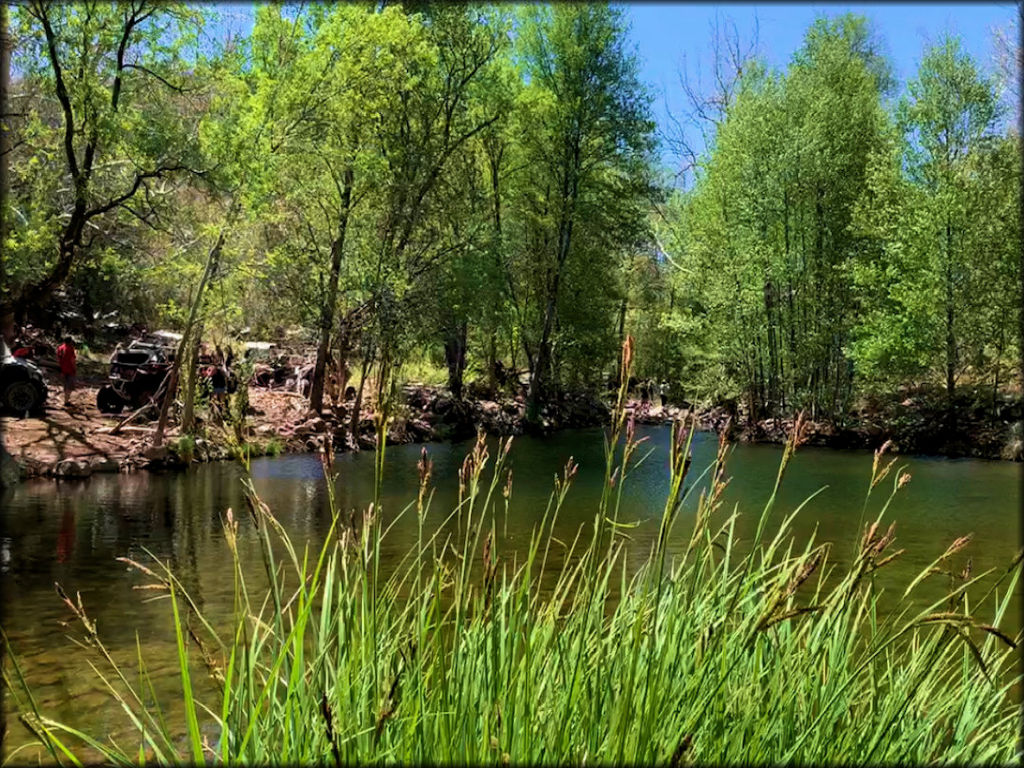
(665, 32)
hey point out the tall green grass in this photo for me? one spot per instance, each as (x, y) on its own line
(723, 652)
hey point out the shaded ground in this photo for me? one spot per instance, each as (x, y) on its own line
(915, 419)
(76, 441)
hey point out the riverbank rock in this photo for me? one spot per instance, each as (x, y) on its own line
(72, 468)
(156, 453)
(419, 429)
(11, 471)
(109, 464)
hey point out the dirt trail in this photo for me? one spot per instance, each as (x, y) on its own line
(75, 440)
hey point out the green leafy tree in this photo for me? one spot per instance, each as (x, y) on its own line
(585, 149)
(104, 122)
(932, 206)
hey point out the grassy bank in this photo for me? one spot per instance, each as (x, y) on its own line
(729, 651)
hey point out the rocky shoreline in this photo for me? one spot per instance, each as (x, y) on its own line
(79, 443)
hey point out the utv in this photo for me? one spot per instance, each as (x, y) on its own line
(22, 387)
(136, 374)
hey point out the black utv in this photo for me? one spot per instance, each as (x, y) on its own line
(136, 374)
(22, 387)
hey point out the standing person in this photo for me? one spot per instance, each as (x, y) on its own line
(67, 360)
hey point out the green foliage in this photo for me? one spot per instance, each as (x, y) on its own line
(471, 185)
(105, 130)
(584, 186)
(831, 247)
(185, 448)
(941, 207)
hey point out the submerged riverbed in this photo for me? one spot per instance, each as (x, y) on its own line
(72, 533)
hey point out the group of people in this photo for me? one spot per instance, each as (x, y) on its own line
(216, 369)
(67, 363)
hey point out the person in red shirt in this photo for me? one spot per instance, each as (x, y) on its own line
(67, 359)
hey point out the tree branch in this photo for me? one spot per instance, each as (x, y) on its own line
(151, 73)
(40, 13)
(139, 178)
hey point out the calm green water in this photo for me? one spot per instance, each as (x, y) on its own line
(72, 532)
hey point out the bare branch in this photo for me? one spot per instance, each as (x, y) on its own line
(151, 73)
(139, 178)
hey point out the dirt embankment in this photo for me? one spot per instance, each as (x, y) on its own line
(79, 441)
(916, 420)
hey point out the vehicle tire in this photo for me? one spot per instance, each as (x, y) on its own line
(108, 401)
(22, 397)
(40, 410)
(141, 397)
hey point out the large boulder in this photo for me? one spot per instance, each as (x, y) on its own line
(417, 397)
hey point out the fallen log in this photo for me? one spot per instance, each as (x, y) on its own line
(129, 429)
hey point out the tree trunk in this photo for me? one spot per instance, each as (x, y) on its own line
(165, 404)
(183, 346)
(541, 372)
(998, 365)
(492, 362)
(7, 311)
(316, 392)
(191, 380)
(344, 349)
(622, 322)
(950, 336)
(358, 405)
(772, 397)
(537, 392)
(455, 357)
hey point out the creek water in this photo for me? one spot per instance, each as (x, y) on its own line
(73, 532)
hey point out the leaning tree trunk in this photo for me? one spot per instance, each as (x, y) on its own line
(183, 346)
(191, 380)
